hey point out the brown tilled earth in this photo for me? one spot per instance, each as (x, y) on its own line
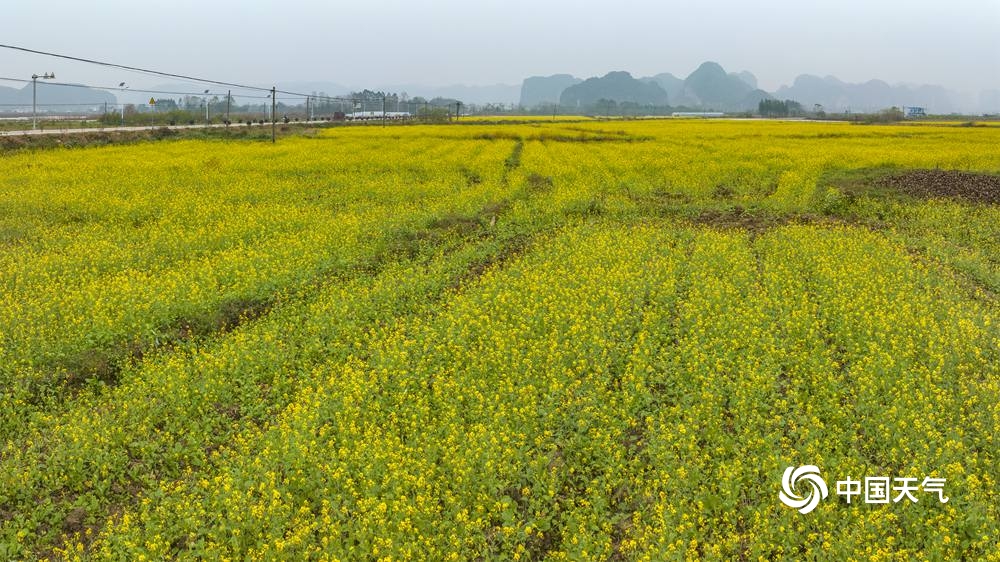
(978, 188)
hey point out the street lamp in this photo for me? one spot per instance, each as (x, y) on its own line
(34, 96)
(122, 85)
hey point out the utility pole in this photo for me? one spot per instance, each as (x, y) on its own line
(34, 101)
(274, 106)
(229, 101)
(383, 110)
(458, 110)
(307, 109)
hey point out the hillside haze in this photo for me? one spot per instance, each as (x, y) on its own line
(545, 90)
(711, 87)
(53, 97)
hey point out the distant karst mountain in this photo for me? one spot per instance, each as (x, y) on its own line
(52, 96)
(835, 95)
(670, 83)
(618, 86)
(710, 87)
(8, 95)
(747, 77)
(494, 93)
(989, 101)
(545, 90)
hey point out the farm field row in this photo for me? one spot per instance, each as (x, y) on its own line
(567, 340)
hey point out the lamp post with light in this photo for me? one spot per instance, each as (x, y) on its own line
(34, 96)
(123, 86)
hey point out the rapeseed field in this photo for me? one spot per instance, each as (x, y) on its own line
(558, 340)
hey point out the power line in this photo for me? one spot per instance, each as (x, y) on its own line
(168, 92)
(273, 91)
(135, 68)
(172, 75)
(81, 104)
(177, 76)
(120, 89)
(29, 104)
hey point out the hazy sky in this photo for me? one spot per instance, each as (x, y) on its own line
(955, 43)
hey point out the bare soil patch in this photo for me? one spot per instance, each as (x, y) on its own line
(968, 186)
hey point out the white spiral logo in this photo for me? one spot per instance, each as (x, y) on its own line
(817, 488)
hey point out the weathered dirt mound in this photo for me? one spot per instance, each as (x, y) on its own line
(979, 188)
